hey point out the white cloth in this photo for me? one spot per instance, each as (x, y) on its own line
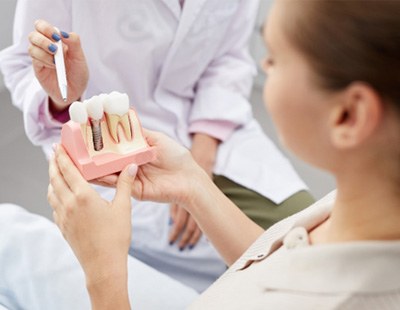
(281, 271)
(40, 272)
(180, 67)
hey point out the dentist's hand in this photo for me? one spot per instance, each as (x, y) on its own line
(98, 231)
(42, 50)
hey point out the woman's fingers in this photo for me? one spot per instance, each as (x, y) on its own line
(108, 181)
(58, 191)
(70, 173)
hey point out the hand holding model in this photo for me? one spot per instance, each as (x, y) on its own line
(104, 224)
(42, 50)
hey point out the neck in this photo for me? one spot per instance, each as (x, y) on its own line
(366, 208)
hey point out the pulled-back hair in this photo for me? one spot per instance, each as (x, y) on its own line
(347, 41)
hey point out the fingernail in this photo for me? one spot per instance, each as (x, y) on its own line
(171, 221)
(52, 48)
(132, 170)
(191, 247)
(56, 37)
(64, 34)
(181, 249)
(171, 242)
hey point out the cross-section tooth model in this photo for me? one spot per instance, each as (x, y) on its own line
(104, 135)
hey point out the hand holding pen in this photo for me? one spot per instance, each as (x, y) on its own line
(45, 42)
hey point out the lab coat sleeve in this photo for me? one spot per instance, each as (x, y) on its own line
(223, 90)
(16, 66)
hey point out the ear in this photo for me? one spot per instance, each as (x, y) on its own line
(356, 117)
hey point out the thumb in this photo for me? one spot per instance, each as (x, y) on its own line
(74, 45)
(124, 184)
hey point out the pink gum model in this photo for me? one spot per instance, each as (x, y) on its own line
(77, 141)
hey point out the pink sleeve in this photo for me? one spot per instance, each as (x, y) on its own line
(218, 129)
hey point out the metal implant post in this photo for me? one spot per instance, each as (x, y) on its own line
(97, 136)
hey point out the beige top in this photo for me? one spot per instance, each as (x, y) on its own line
(281, 271)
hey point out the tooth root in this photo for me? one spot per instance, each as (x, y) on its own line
(126, 125)
(113, 122)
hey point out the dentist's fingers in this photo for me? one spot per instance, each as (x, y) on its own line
(47, 30)
(191, 234)
(195, 238)
(180, 219)
(39, 40)
(73, 41)
(41, 57)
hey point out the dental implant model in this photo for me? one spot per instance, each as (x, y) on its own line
(95, 111)
(104, 135)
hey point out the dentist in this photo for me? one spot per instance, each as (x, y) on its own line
(186, 68)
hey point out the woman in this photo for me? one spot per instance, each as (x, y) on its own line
(344, 251)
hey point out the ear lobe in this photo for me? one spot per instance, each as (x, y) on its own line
(356, 117)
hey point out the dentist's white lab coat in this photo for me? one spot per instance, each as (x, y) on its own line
(179, 68)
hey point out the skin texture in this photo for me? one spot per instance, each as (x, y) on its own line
(347, 132)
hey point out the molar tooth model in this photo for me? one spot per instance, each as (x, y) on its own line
(104, 135)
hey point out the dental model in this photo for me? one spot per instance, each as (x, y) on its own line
(104, 135)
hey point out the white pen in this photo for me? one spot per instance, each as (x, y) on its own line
(60, 68)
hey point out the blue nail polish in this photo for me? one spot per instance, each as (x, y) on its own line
(181, 249)
(171, 221)
(64, 34)
(56, 37)
(171, 242)
(191, 247)
(52, 48)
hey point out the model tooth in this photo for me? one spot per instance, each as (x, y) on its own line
(78, 113)
(117, 112)
(95, 108)
(117, 103)
(113, 122)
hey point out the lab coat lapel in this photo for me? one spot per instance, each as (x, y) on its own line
(174, 6)
(190, 12)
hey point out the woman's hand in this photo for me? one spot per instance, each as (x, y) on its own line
(204, 151)
(42, 50)
(172, 177)
(98, 231)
